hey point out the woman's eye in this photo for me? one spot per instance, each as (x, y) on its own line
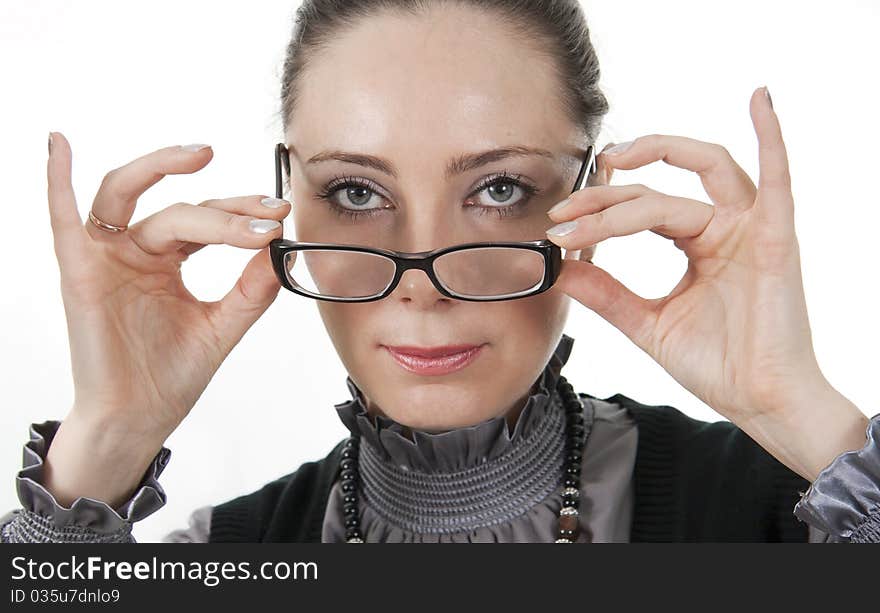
(501, 193)
(352, 198)
(356, 197)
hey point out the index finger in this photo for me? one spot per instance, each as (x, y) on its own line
(117, 197)
(725, 182)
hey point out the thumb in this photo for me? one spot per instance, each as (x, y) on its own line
(245, 303)
(602, 293)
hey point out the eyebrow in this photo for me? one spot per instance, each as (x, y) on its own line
(457, 165)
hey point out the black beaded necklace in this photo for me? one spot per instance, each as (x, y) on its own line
(575, 437)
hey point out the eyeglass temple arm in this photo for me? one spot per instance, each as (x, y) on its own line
(588, 168)
(281, 155)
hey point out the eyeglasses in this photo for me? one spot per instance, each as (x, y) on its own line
(477, 272)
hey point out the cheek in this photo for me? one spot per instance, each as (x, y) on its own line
(531, 320)
(349, 326)
(552, 306)
(306, 220)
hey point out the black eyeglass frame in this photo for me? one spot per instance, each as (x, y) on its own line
(423, 260)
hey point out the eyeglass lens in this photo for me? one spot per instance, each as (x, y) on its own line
(479, 273)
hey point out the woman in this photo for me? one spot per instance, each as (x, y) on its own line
(463, 428)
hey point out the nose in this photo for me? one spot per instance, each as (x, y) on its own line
(415, 287)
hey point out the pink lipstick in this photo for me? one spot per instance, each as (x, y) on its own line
(434, 360)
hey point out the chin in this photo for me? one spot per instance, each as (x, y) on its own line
(437, 406)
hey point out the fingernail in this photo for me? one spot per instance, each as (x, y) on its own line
(273, 203)
(194, 147)
(262, 226)
(563, 228)
(558, 205)
(50, 143)
(769, 99)
(619, 148)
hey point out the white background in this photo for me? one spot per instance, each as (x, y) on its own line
(120, 79)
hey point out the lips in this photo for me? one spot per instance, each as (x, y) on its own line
(431, 352)
(439, 360)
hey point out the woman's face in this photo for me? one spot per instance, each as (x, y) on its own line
(424, 94)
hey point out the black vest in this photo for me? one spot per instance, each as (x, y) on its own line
(694, 481)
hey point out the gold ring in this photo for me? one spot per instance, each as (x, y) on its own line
(104, 225)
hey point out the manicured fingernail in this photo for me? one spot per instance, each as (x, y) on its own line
(558, 205)
(769, 99)
(50, 143)
(262, 226)
(194, 147)
(273, 203)
(563, 228)
(619, 148)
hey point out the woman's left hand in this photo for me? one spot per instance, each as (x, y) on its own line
(734, 331)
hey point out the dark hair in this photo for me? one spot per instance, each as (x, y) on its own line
(558, 28)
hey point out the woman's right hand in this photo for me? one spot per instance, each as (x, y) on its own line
(143, 348)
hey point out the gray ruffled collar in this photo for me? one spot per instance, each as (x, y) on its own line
(460, 448)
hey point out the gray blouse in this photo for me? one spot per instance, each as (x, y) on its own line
(480, 483)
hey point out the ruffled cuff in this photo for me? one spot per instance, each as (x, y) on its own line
(844, 500)
(47, 518)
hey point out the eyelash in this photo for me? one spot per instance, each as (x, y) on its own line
(338, 183)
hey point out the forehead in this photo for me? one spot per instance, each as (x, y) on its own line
(451, 80)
